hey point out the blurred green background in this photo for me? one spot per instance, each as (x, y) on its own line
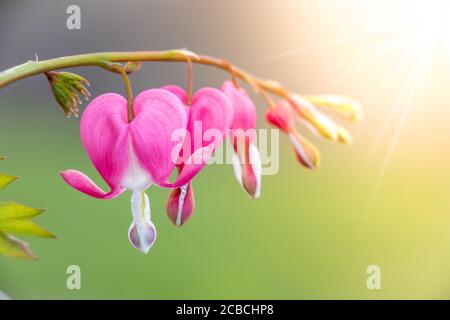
(310, 235)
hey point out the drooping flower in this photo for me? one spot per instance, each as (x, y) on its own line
(246, 158)
(134, 155)
(209, 116)
(283, 117)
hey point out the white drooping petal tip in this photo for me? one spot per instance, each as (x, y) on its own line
(142, 232)
(148, 238)
(249, 174)
(255, 161)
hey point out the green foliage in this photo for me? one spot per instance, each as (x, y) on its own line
(17, 219)
(5, 180)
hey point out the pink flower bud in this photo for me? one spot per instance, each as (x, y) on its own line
(181, 204)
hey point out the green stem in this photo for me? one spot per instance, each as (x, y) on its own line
(129, 93)
(32, 68)
(190, 82)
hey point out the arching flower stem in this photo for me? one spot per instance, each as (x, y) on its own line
(129, 93)
(32, 67)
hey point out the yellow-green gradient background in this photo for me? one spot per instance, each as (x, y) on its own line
(310, 235)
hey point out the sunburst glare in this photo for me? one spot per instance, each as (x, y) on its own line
(409, 33)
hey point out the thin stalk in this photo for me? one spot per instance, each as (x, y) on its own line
(32, 68)
(190, 82)
(129, 93)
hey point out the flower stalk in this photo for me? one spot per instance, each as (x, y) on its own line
(128, 92)
(32, 68)
(190, 81)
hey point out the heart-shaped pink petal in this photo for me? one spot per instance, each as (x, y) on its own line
(160, 119)
(104, 131)
(244, 110)
(209, 116)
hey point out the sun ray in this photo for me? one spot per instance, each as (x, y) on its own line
(390, 117)
(424, 70)
(362, 36)
(352, 66)
(397, 73)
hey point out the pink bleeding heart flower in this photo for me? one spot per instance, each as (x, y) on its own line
(246, 158)
(283, 117)
(134, 155)
(209, 116)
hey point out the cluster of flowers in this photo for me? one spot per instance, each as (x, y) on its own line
(134, 154)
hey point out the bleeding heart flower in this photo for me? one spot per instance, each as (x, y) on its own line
(246, 158)
(283, 117)
(134, 155)
(209, 116)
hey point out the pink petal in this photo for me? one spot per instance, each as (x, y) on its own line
(282, 116)
(103, 131)
(83, 183)
(179, 92)
(191, 167)
(246, 160)
(160, 117)
(244, 116)
(210, 115)
(247, 168)
(181, 204)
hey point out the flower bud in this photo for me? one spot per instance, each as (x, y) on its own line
(305, 151)
(66, 88)
(181, 204)
(344, 107)
(283, 116)
(247, 166)
(344, 136)
(306, 110)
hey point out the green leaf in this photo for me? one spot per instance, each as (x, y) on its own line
(12, 247)
(24, 226)
(12, 210)
(16, 218)
(6, 180)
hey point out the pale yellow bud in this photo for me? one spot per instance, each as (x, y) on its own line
(344, 107)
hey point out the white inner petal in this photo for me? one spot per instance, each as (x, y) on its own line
(140, 207)
(183, 191)
(135, 178)
(255, 161)
(237, 167)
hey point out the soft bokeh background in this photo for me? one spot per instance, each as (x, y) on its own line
(384, 200)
